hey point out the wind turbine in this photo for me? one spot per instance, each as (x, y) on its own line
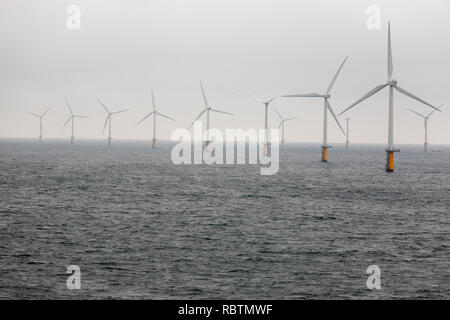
(40, 121)
(72, 117)
(425, 145)
(155, 113)
(326, 107)
(282, 124)
(392, 83)
(108, 118)
(347, 136)
(207, 109)
(266, 104)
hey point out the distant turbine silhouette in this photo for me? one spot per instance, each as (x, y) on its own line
(41, 129)
(155, 113)
(282, 124)
(72, 117)
(108, 118)
(425, 145)
(207, 109)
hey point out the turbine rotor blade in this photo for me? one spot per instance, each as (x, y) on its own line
(440, 107)
(390, 62)
(198, 117)
(334, 115)
(120, 111)
(108, 117)
(279, 115)
(367, 95)
(251, 96)
(303, 95)
(65, 124)
(335, 76)
(144, 118)
(272, 99)
(103, 105)
(281, 123)
(78, 116)
(220, 111)
(204, 95)
(409, 94)
(293, 118)
(46, 112)
(34, 114)
(419, 114)
(162, 115)
(68, 105)
(153, 99)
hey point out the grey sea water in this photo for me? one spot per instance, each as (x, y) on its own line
(140, 227)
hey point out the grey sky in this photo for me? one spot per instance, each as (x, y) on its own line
(259, 46)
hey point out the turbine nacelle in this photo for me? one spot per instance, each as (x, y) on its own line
(392, 83)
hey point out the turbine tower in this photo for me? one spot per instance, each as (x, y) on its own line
(425, 145)
(207, 109)
(347, 140)
(155, 113)
(108, 118)
(40, 121)
(392, 84)
(266, 104)
(282, 124)
(326, 107)
(72, 117)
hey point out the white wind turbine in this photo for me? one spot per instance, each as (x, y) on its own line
(155, 113)
(347, 140)
(392, 83)
(425, 145)
(108, 118)
(326, 107)
(207, 109)
(266, 104)
(72, 117)
(40, 122)
(282, 124)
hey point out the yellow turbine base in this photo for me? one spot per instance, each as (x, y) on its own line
(324, 154)
(72, 140)
(109, 141)
(154, 143)
(425, 147)
(390, 161)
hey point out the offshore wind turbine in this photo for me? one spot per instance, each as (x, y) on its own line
(326, 107)
(282, 124)
(347, 135)
(108, 118)
(392, 84)
(207, 109)
(40, 121)
(266, 103)
(155, 113)
(72, 117)
(425, 145)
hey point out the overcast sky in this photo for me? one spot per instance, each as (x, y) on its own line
(259, 46)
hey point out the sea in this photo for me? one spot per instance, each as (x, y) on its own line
(140, 227)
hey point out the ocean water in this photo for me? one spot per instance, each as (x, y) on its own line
(140, 227)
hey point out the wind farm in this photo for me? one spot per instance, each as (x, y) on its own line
(178, 185)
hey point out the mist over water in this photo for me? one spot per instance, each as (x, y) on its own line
(140, 227)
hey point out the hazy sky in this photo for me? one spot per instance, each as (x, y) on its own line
(259, 46)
